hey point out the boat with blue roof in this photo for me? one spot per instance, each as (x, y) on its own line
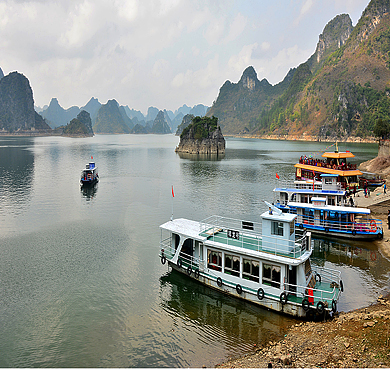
(265, 263)
(325, 207)
(89, 175)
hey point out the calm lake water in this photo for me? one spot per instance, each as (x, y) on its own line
(81, 284)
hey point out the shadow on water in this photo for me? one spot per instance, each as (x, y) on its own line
(233, 325)
(89, 192)
(201, 157)
(16, 172)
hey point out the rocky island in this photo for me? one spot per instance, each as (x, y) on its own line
(202, 136)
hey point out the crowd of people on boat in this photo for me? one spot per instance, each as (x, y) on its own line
(326, 164)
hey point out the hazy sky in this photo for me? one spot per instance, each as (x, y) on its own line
(162, 53)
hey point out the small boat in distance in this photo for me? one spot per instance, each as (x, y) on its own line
(89, 175)
(266, 263)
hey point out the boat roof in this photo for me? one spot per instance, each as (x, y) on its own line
(343, 173)
(310, 191)
(188, 227)
(281, 217)
(340, 209)
(338, 155)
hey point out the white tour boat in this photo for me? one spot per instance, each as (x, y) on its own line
(267, 264)
(323, 208)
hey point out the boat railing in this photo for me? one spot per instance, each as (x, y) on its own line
(248, 235)
(166, 248)
(326, 274)
(323, 276)
(358, 225)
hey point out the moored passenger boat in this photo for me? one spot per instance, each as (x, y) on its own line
(336, 163)
(267, 264)
(325, 208)
(89, 175)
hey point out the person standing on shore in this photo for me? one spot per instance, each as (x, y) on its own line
(384, 188)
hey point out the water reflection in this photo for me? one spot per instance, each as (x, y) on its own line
(201, 157)
(365, 272)
(16, 173)
(236, 325)
(89, 192)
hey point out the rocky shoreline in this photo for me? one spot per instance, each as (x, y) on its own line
(306, 137)
(356, 339)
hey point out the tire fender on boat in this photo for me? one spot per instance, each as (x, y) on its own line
(239, 289)
(305, 304)
(318, 278)
(334, 306)
(189, 270)
(163, 259)
(283, 298)
(179, 263)
(260, 293)
(341, 286)
(320, 307)
(219, 282)
(196, 273)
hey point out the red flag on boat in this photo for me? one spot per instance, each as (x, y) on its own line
(91, 157)
(277, 175)
(173, 194)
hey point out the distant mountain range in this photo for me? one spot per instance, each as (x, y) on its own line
(104, 122)
(339, 92)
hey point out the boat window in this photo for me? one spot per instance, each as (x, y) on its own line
(271, 275)
(277, 228)
(305, 199)
(292, 227)
(232, 265)
(214, 259)
(251, 270)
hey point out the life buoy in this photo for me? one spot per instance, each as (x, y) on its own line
(260, 293)
(219, 282)
(373, 255)
(334, 306)
(196, 273)
(189, 270)
(320, 307)
(163, 259)
(305, 304)
(179, 263)
(239, 289)
(373, 225)
(283, 298)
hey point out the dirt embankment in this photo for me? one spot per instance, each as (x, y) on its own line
(360, 338)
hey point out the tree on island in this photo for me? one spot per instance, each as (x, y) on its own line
(382, 129)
